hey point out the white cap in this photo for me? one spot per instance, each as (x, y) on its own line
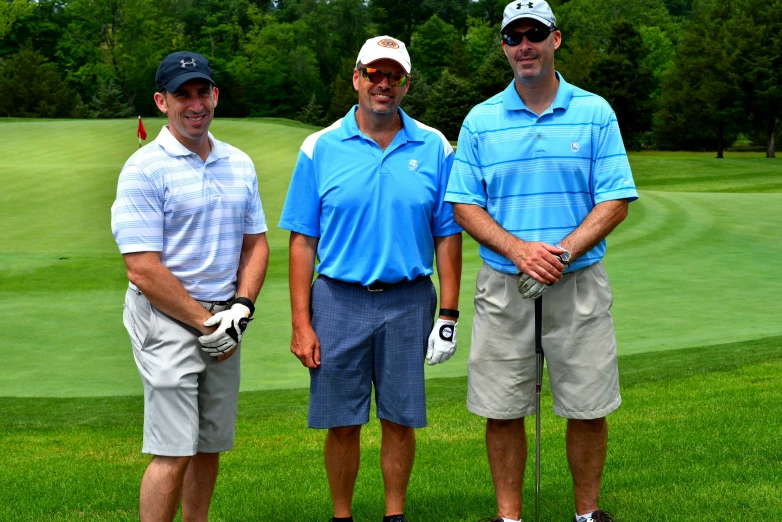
(538, 10)
(381, 47)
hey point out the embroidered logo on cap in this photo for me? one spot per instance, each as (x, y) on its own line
(185, 64)
(528, 4)
(388, 43)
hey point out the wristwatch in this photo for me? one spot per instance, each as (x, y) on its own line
(564, 256)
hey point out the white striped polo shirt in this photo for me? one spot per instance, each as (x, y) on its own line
(194, 212)
(539, 176)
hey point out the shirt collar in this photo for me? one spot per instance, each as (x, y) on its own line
(513, 102)
(408, 132)
(173, 148)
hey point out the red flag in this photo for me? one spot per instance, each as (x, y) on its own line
(142, 132)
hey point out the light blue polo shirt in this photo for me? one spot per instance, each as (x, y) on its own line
(375, 212)
(194, 212)
(539, 177)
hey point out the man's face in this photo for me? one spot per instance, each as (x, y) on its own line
(382, 97)
(190, 109)
(531, 61)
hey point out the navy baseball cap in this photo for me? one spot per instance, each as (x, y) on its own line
(179, 67)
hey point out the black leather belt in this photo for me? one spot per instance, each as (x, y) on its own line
(377, 286)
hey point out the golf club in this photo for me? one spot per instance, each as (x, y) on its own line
(538, 385)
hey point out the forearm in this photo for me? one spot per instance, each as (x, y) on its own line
(253, 263)
(164, 290)
(301, 268)
(600, 222)
(448, 252)
(480, 225)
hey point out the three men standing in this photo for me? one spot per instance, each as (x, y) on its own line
(540, 178)
(189, 224)
(367, 199)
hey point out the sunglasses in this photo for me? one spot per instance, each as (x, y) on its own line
(538, 34)
(395, 79)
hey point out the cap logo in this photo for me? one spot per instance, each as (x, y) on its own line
(186, 63)
(388, 43)
(528, 4)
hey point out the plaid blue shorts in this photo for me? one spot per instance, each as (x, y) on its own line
(365, 338)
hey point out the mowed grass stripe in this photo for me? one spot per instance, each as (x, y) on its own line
(696, 433)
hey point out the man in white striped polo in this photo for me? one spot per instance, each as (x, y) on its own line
(540, 178)
(190, 226)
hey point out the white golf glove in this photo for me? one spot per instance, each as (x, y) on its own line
(529, 288)
(231, 324)
(442, 341)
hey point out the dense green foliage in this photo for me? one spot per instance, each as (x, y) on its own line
(680, 74)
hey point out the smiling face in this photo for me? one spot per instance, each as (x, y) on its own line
(190, 111)
(379, 98)
(531, 62)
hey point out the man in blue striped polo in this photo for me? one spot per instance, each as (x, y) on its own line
(366, 199)
(540, 178)
(189, 224)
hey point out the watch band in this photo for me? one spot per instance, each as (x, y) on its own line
(246, 302)
(449, 312)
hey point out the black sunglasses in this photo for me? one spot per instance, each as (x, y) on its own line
(535, 35)
(395, 79)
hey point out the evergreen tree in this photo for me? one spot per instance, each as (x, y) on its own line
(416, 100)
(450, 99)
(109, 102)
(432, 47)
(312, 113)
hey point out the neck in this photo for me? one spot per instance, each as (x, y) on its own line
(201, 146)
(382, 128)
(538, 94)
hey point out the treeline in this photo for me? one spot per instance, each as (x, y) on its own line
(681, 74)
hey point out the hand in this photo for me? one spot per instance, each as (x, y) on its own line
(230, 324)
(306, 346)
(539, 261)
(532, 289)
(442, 341)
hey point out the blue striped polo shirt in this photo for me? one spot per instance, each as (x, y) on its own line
(375, 212)
(194, 212)
(539, 177)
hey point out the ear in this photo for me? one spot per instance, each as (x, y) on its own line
(557, 39)
(215, 93)
(356, 79)
(160, 101)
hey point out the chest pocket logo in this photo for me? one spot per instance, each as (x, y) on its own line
(575, 146)
(413, 165)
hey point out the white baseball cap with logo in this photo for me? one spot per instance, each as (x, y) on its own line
(537, 10)
(381, 47)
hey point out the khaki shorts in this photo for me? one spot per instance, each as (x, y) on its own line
(579, 346)
(190, 399)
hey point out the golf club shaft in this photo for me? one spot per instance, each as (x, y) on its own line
(538, 385)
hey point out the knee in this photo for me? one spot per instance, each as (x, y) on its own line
(345, 433)
(395, 430)
(504, 424)
(170, 464)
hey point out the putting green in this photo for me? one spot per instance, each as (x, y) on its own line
(687, 268)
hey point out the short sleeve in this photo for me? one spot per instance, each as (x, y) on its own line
(443, 222)
(255, 219)
(612, 178)
(466, 183)
(137, 213)
(301, 212)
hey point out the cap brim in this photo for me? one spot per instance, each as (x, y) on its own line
(405, 66)
(531, 17)
(177, 82)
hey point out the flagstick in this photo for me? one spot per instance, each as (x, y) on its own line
(139, 135)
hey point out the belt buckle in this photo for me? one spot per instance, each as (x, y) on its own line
(370, 287)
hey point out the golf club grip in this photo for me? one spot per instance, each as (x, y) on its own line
(539, 325)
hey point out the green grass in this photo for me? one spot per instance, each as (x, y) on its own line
(685, 266)
(697, 438)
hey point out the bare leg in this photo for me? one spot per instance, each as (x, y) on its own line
(506, 444)
(587, 443)
(161, 488)
(199, 484)
(342, 453)
(397, 454)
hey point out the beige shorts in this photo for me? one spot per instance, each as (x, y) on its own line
(190, 399)
(579, 346)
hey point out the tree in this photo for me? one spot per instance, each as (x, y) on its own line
(432, 47)
(415, 101)
(760, 62)
(109, 102)
(398, 18)
(481, 40)
(628, 94)
(493, 75)
(312, 113)
(33, 88)
(450, 99)
(10, 12)
(701, 100)
(343, 95)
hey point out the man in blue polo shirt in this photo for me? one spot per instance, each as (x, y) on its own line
(366, 198)
(540, 178)
(189, 224)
